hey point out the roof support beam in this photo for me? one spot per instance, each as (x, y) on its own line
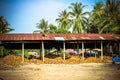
(101, 50)
(22, 52)
(64, 50)
(1, 49)
(95, 48)
(43, 52)
(111, 51)
(95, 44)
(77, 48)
(119, 48)
(83, 50)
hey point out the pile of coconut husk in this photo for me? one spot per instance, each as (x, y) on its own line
(106, 59)
(12, 61)
(73, 60)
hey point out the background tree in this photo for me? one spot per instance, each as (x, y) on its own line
(96, 17)
(64, 22)
(42, 26)
(106, 17)
(52, 28)
(4, 26)
(60, 30)
(112, 12)
(78, 16)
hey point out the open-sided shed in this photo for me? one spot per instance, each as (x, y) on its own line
(43, 41)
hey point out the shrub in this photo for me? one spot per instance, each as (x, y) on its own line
(67, 55)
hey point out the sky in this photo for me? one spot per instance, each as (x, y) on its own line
(22, 15)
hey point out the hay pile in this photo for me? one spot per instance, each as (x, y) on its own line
(106, 59)
(12, 61)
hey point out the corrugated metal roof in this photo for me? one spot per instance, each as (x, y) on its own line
(30, 37)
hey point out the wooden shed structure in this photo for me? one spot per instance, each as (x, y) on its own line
(46, 41)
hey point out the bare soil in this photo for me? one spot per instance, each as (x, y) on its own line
(82, 71)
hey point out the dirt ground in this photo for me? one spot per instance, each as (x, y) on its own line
(83, 71)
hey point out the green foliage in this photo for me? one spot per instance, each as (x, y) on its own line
(64, 22)
(61, 53)
(4, 26)
(42, 26)
(26, 53)
(62, 31)
(115, 48)
(52, 28)
(78, 17)
(4, 51)
(106, 17)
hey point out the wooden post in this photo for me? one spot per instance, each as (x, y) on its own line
(22, 52)
(64, 50)
(95, 44)
(40, 52)
(78, 48)
(43, 52)
(95, 48)
(119, 48)
(101, 50)
(110, 48)
(111, 51)
(1, 49)
(83, 50)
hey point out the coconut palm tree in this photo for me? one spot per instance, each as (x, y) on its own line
(64, 21)
(106, 17)
(52, 28)
(78, 17)
(43, 29)
(3, 29)
(4, 26)
(112, 12)
(96, 17)
(42, 26)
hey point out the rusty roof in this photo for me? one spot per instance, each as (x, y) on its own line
(67, 37)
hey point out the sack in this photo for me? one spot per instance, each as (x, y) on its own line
(116, 59)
